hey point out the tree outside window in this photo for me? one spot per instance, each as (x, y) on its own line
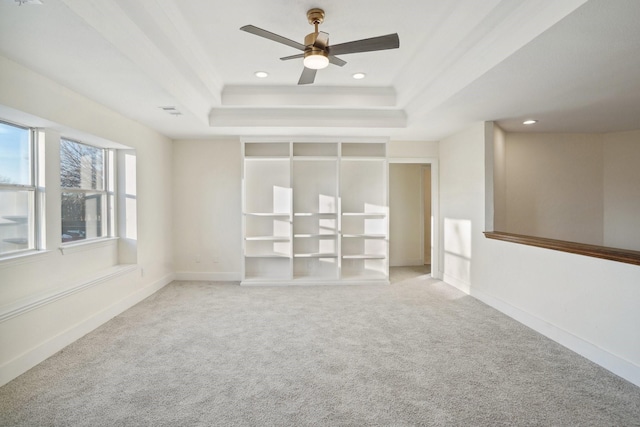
(84, 194)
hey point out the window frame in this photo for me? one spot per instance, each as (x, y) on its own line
(36, 218)
(107, 195)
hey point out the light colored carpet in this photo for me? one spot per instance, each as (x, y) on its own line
(417, 352)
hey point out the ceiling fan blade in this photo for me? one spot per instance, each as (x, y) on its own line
(308, 76)
(390, 41)
(336, 61)
(286, 58)
(322, 40)
(271, 36)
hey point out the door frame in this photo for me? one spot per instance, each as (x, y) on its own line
(435, 208)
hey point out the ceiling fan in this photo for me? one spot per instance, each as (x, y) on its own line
(317, 52)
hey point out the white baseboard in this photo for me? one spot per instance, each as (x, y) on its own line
(609, 361)
(456, 283)
(209, 276)
(31, 358)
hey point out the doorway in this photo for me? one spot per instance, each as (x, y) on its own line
(411, 204)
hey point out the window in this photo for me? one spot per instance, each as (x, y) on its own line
(18, 198)
(87, 191)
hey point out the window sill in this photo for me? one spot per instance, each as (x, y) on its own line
(613, 254)
(22, 258)
(71, 248)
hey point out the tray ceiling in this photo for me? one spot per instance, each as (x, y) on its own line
(571, 64)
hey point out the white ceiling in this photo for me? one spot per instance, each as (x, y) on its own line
(572, 64)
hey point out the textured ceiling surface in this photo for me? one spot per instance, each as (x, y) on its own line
(571, 64)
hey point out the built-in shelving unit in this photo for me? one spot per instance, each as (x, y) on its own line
(267, 212)
(315, 212)
(365, 222)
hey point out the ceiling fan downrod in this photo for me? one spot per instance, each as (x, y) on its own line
(315, 17)
(315, 53)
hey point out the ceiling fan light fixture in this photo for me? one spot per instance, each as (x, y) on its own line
(316, 51)
(316, 61)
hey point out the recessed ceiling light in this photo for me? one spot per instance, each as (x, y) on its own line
(261, 74)
(530, 122)
(359, 76)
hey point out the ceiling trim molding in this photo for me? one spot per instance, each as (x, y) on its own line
(320, 96)
(307, 118)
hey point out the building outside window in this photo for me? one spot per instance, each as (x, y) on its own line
(87, 191)
(18, 224)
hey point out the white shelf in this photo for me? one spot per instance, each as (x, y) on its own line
(312, 214)
(315, 158)
(270, 280)
(372, 278)
(315, 255)
(364, 256)
(273, 255)
(365, 214)
(268, 214)
(319, 236)
(365, 236)
(268, 239)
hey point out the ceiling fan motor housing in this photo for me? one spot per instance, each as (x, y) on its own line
(310, 49)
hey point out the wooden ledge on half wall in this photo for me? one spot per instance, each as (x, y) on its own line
(614, 254)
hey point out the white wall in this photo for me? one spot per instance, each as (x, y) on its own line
(622, 190)
(461, 204)
(405, 207)
(587, 304)
(554, 186)
(207, 209)
(49, 300)
(207, 191)
(576, 187)
(499, 196)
